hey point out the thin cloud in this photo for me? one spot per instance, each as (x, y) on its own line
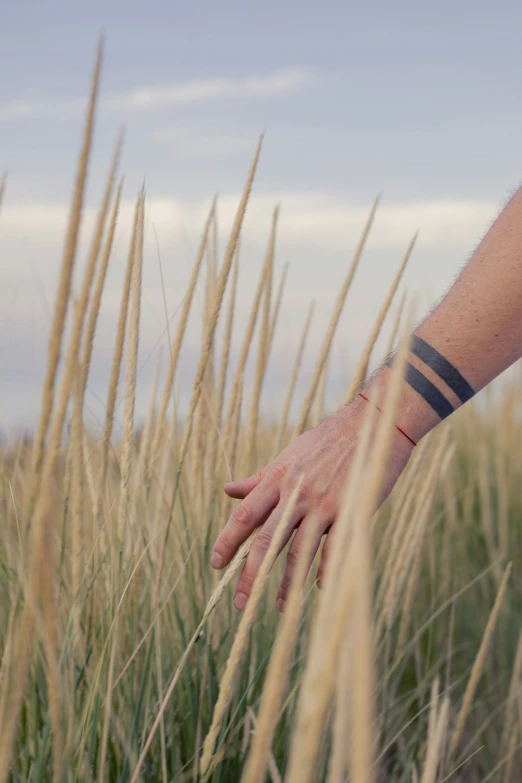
(197, 144)
(159, 97)
(310, 222)
(163, 96)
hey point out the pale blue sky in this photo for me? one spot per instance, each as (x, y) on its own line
(420, 102)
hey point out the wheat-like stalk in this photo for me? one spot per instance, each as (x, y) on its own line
(217, 433)
(92, 320)
(231, 443)
(277, 306)
(514, 686)
(126, 459)
(403, 498)
(340, 589)
(204, 409)
(436, 732)
(486, 512)
(283, 419)
(233, 569)
(145, 440)
(89, 473)
(361, 693)
(241, 638)
(317, 411)
(478, 664)
(328, 338)
(415, 568)
(338, 761)
(227, 339)
(263, 349)
(272, 766)
(501, 474)
(362, 367)
(77, 489)
(510, 753)
(41, 550)
(174, 356)
(396, 323)
(130, 381)
(277, 672)
(247, 339)
(334, 604)
(72, 365)
(212, 322)
(64, 288)
(116, 366)
(412, 538)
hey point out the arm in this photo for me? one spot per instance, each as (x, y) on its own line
(468, 340)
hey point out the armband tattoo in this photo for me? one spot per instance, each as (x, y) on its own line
(445, 371)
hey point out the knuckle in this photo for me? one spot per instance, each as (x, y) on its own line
(263, 540)
(284, 587)
(293, 556)
(278, 472)
(326, 507)
(283, 590)
(242, 515)
(246, 581)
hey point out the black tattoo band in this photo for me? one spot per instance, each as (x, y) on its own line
(444, 369)
(427, 390)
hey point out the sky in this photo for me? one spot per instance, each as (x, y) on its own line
(416, 102)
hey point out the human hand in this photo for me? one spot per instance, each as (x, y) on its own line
(324, 456)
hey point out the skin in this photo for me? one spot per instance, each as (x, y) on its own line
(477, 327)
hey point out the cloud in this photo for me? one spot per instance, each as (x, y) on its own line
(309, 221)
(28, 108)
(158, 97)
(162, 96)
(193, 143)
(328, 221)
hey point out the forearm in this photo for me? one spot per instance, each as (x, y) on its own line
(476, 328)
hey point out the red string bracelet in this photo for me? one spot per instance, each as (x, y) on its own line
(395, 425)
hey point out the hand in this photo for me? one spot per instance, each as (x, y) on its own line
(324, 456)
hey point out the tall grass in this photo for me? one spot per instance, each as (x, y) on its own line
(121, 657)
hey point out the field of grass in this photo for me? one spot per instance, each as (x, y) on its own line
(121, 655)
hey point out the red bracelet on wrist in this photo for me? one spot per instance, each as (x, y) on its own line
(395, 425)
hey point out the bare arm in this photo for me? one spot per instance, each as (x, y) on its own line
(468, 340)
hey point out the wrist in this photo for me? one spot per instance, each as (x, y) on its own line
(413, 415)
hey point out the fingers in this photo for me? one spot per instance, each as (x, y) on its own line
(243, 487)
(301, 555)
(327, 546)
(251, 513)
(258, 552)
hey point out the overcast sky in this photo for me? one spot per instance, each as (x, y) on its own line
(418, 102)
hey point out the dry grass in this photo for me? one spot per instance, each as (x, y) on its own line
(121, 657)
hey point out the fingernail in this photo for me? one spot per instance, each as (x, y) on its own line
(320, 584)
(240, 601)
(281, 604)
(216, 561)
